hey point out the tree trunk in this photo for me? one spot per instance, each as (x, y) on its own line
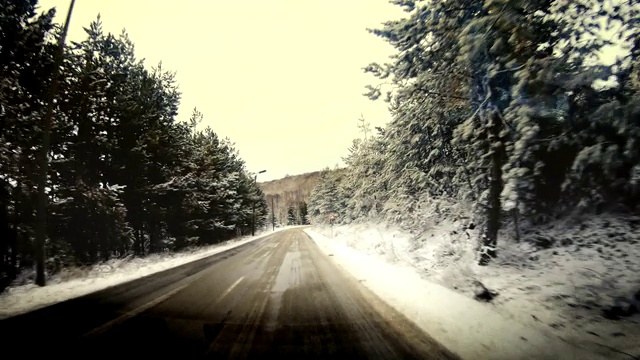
(13, 259)
(154, 237)
(490, 238)
(26, 237)
(516, 223)
(139, 239)
(17, 218)
(41, 228)
(5, 233)
(153, 240)
(92, 250)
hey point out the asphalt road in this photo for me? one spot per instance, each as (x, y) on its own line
(278, 296)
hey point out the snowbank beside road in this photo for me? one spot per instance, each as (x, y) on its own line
(561, 277)
(469, 328)
(73, 283)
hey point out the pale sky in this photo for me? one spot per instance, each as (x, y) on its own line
(281, 78)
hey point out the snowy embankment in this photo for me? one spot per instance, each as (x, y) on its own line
(552, 286)
(75, 282)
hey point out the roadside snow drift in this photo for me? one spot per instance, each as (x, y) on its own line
(472, 329)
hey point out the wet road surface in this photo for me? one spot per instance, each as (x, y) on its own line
(279, 296)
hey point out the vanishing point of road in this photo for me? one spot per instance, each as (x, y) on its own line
(278, 296)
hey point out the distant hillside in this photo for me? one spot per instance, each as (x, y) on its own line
(288, 192)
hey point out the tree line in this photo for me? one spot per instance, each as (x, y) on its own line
(297, 215)
(286, 210)
(125, 177)
(501, 110)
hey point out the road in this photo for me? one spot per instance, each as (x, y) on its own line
(278, 296)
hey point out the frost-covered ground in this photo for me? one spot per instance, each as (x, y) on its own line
(557, 280)
(76, 282)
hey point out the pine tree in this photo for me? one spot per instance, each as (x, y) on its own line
(303, 213)
(26, 62)
(125, 177)
(291, 216)
(480, 86)
(328, 198)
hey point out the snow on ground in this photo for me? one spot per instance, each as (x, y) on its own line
(552, 285)
(78, 282)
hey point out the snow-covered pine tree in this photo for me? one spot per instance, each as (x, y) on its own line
(363, 184)
(291, 216)
(602, 123)
(503, 37)
(456, 98)
(437, 92)
(328, 197)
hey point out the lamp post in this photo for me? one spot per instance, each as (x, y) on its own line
(253, 223)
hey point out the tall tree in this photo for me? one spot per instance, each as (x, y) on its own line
(26, 61)
(41, 230)
(327, 199)
(477, 85)
(291, 216)
(303, 213)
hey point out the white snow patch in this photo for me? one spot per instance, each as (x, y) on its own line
(552, 297)
(73, 283)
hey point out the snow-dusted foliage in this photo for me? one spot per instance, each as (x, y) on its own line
(328, 198)
(365, 182)
(497, 117)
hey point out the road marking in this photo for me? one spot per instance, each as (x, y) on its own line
(229, 289)
(99, 330)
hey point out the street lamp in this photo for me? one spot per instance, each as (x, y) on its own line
(253, 223)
